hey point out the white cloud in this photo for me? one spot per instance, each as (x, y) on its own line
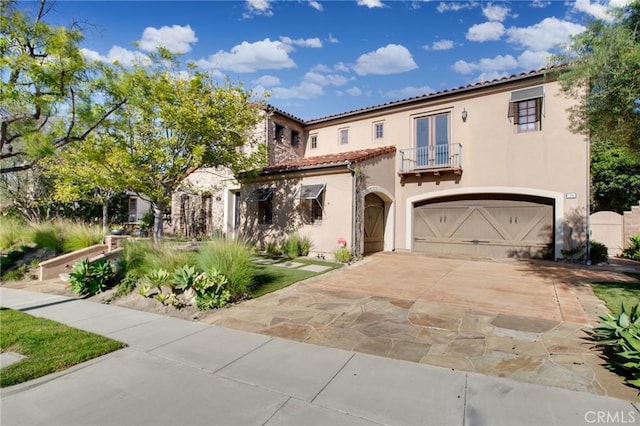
(440, 45)
(370, 3)
(531, 60)
(340, 66)
(250, 57)
(258, 7)
(545, 35)
(302, 91)
(316, 5)
(598, 9)
(177, 39)
(492, 75)
(325, 79)
(539, 4)
(391, 59)
(118, 54)
(485, 32)
(332, 39)
(454, 6)
(354, 91)
(309, 42)
(267, 81)
(495, 12)
(499, 63)
(408, 92)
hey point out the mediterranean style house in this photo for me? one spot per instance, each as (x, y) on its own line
(490, 169)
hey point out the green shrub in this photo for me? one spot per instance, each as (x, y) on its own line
(599, 253)
(159, 278)
(210, 290)
(305, 245)
(79, 235)
(12, 232)
(143, 257)
(272, 248)
(632, 250)
(86, 279)
(47, 235)
(620, 338)
(15, 274)
(230, 258)
(342, 255)
(128, 283)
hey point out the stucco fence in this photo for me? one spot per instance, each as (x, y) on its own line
(614, 229)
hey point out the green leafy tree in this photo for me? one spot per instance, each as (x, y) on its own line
(615, 177)
(604, 61)
(85, 171)
(48, 90)
(175, 122)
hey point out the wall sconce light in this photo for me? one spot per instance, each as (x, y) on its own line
(465, 114)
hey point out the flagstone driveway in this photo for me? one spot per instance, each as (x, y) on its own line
(518, 319)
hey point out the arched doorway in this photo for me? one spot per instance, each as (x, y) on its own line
(373, 223)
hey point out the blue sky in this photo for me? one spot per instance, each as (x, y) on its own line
(317, 58)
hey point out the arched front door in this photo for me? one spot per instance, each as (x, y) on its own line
(373, 223)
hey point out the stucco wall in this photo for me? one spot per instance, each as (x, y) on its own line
(288, 216)
(552, 160)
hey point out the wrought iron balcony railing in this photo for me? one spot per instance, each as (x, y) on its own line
(432, 158)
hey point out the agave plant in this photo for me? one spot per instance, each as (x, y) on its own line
(620, 337)
(158, 278)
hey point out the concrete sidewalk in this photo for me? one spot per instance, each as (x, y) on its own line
(176, 372)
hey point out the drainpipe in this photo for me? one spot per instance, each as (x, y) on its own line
(353, 207)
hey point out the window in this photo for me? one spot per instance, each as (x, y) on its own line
(378, 131)
(279, 136)
(314, 141)
(263, 197)
(432, 140)
(133, 209)
(344, 136)
(312, 201)
(525, 107)
(295, 138)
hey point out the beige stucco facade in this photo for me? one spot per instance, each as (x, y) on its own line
(472, 150)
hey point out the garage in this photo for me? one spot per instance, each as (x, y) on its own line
(488, 225)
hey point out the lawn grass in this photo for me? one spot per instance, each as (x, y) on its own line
(613, 294)
(48, 346)
(269, 278)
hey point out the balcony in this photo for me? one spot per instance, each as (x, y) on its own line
(432, 159)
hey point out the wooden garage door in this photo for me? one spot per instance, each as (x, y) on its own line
(485, 227)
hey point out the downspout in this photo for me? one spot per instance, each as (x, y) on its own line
(353, 208)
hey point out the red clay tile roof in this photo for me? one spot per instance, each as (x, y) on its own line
(330, 159)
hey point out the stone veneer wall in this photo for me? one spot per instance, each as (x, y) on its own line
(282, 150)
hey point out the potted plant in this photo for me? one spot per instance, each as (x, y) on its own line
(117, 230)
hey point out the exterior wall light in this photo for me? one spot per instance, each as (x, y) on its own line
(465, 114)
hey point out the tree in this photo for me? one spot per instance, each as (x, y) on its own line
(85, 171)
(174, 123)
(48, 91)
(615, 178)
(604, 60)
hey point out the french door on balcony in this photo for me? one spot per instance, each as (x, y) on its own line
(432, 140)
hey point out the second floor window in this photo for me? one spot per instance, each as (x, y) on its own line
(528, 114)
(314, 141)
(344, 136)
(279, 136)
(378, 131)
(525, 107)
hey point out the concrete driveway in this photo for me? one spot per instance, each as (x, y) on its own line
(516, 319)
